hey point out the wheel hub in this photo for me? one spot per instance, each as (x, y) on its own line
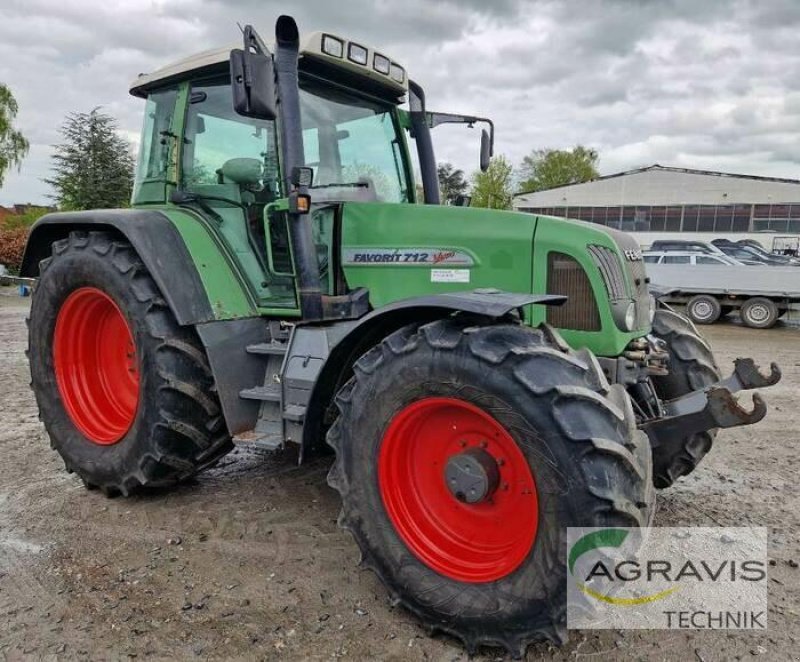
(702, 310)
(472, 476)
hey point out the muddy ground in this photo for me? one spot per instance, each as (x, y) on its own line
(247, 562)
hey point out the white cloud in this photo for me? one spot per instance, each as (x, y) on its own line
(680, 82)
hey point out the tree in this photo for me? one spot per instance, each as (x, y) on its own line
(451, 182)
(547, 168)
(492, 188)
(13, 145)
(94, 166)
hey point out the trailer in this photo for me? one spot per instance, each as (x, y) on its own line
(760, 295)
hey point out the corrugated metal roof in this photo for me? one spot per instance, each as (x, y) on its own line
(685, 171)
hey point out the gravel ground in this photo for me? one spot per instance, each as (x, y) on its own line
(247, 562)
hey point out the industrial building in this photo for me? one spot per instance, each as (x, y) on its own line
(662, 202)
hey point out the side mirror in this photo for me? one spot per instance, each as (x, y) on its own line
(253, 85)
(486, 150)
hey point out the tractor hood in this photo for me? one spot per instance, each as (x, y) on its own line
(403, 251)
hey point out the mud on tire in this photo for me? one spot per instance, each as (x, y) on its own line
(590, 464)
(178, 428)
(691, 367)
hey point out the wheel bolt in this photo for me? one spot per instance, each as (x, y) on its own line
(484, 444)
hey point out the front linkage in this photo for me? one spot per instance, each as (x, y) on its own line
(712, 407)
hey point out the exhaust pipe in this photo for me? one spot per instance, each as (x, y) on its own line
(287, 49)
(422, 136)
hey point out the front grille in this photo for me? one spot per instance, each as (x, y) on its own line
(610, 270)
(566, 276)
(637, 276)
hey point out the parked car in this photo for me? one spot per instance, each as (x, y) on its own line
(689, 257)
(747, 254)
(783, 260)
(684, 245)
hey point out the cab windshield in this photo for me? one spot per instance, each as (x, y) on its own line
(351, 143)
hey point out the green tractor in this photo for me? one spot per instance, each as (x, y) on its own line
(486, 378)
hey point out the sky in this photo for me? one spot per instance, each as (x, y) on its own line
(691, 83)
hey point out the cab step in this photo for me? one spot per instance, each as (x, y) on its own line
(269, 393)
(269, 348)
(264, 441)
(295, 413)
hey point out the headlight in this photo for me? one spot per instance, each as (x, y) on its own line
(630, 317)
(653, 306)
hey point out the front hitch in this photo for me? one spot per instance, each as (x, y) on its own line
(713, 406)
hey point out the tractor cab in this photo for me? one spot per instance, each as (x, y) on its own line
(234, 165)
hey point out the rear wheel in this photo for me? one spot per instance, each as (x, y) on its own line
(125, 394)
(463, 453)
(691, 367)
(703, 309)
(759, 313)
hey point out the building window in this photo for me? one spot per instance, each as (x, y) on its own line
(741, 217)
(673, 219)
(658, 218)
(690, 214)
(705, 218)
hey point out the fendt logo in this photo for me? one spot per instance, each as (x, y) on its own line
(697, 578)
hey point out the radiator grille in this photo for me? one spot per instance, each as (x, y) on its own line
(566, 276)
(610, 270)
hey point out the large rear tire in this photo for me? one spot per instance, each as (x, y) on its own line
(691, 367)
(125, 393)
(552, 446)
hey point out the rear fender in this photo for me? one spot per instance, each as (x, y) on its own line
(164, 251)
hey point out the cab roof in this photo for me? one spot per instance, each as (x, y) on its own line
(311, 46)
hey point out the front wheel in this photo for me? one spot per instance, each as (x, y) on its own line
(464, 453)
(126, 395)
(691, 368)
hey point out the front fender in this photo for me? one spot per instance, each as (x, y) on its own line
(182, 256)
(349, 340)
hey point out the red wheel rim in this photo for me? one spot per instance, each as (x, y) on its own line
(477, 542)
(95, 365)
